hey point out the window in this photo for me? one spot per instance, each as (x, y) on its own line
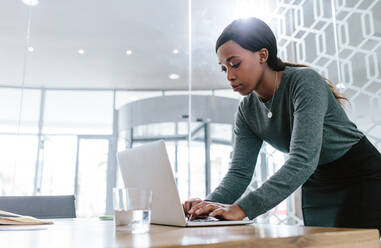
(78, 112)
(19, 110)
(17, 164)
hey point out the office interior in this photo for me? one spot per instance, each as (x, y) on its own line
(82, 80)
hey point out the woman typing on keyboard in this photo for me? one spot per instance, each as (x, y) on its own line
(298, 112)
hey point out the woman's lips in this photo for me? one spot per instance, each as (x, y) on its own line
(237, 87)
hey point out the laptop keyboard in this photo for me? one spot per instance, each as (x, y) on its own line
(207, 219)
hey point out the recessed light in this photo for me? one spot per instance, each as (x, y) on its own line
(31, 49)
(175, 51)
(81, 51)
(128, 52)
(174, 76)
(31, 2)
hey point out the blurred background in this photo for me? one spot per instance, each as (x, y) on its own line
(82, 80)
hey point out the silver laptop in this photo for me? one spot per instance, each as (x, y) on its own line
(148, 167)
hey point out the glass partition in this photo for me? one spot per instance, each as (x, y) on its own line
(70, 68)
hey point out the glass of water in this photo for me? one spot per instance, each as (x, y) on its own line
(132, 208)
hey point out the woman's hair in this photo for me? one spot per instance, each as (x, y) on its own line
(253, 34)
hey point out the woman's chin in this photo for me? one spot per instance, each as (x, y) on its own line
(244, 93)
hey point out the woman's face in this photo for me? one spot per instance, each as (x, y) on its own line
(244, 68)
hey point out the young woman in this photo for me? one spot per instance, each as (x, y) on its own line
(296, 111)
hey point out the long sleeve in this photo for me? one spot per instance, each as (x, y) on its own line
(309, 98)
(245, 152)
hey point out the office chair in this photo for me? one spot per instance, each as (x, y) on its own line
(43, 207)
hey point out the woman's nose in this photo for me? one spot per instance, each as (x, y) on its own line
(230, 76)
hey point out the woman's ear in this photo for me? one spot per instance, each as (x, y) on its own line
(263, 55)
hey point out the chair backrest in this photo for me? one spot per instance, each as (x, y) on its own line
(43, 207)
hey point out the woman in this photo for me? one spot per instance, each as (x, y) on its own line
(294, 109)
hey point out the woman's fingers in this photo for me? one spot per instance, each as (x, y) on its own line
(229, 212)
(189, 204)
(197, 206)
(220, 212)
(203, 209)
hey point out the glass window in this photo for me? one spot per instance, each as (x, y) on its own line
(124, 97)
(219, 163)
(57, 164)
(155, 129)
(182, 173)
(19, 110)
(184, 92)
(202, 92)
(92, 177)
(223, 132)
(78, 112)
(176, 92)
(17, 164)
(197, 169)
(228, 93)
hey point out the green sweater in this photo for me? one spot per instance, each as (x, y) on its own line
(307, 123)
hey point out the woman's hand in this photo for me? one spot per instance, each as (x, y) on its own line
(189, 204)
(219, 210)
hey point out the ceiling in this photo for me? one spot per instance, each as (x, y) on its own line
(105, 30)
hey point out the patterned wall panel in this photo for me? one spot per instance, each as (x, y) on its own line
(344, 47)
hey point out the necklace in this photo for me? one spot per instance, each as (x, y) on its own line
(270, 114)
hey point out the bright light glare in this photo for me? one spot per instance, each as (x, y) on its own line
(340, 86)
(250, 8)
(175, 51)
(128, 52)
(31, 49)
(31, 2)
(81, 51)
(174, 76)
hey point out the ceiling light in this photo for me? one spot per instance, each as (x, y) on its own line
(81, 51)
(31, 2)
(128, 52)
(174, 76)
(175, 51)
(340, 86)
(31, 49)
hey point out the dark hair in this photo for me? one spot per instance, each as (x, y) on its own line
(253, 34)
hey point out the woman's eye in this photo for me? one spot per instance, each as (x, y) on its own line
(235, 65)
(223, 69)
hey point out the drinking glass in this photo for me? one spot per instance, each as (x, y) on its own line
(132, 208)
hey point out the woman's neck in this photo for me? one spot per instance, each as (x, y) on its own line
(269, 84)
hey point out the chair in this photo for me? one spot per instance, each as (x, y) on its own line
(43, 207)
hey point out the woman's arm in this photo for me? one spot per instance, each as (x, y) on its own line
(310, 100)
(245, 152)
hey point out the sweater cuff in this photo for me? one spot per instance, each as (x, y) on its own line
(212, 198)
(251, 206)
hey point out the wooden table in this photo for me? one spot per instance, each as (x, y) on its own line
(97, 233)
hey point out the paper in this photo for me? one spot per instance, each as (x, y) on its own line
(7, 218)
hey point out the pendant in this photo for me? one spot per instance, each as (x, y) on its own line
(270, 114)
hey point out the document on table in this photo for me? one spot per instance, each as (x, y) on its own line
(7, 218)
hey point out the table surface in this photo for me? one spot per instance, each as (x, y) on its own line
(96, 233)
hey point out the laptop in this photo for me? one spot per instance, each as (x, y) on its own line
(148, 167)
